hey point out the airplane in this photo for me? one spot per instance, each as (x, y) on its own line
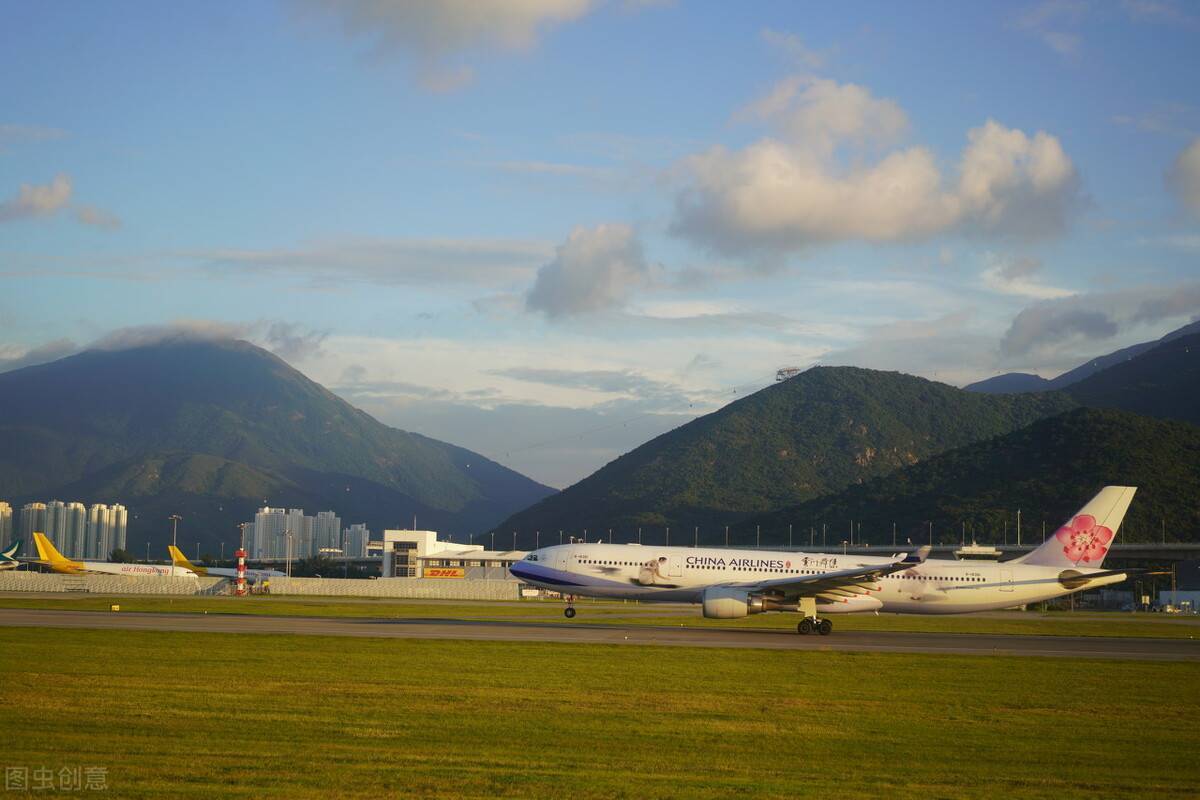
(730, 584)
(180, 560)
(8, 556)
(49, 556)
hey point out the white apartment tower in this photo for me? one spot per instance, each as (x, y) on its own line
(327, 530)
(74, 544)
(33, 519)
(354, 540)
(6, 524)
(118, 518)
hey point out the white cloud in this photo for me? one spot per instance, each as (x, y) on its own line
(1184, 177)
(1017, 276)
(472, 262)
(817, 114)
(1054, 23)
(13, 357)
(1011, 183)
(792, 190)
(14, 134)
(201, 330)
(98, 217)
(793, 48)
(1160, 11)
(435, 33)
(1172, 119)
(595, 269)
(33, 200)
(290, 341)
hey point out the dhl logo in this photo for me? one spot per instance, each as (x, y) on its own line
(445, 572)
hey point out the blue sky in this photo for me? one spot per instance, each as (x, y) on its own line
(551, 229)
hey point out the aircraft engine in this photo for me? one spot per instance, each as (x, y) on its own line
(722, 603)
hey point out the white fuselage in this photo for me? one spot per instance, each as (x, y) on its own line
(251, 574)
(681, 574)
(135, 570)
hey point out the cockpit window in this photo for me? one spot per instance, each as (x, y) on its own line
(531, 557)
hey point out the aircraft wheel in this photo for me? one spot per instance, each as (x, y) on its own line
(825, 627)
(569, 613)
(805, 627)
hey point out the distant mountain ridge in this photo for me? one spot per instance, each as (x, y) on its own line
(1017, 382)
(813, 434)
(1162, 382)
(1048, 470)
(213, 430)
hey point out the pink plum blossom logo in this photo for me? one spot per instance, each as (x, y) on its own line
(1083, 539)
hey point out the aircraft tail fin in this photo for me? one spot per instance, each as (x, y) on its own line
(48, 554)
(180, 560)
(1087, 536)
(10, 553)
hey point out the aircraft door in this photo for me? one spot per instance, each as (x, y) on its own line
(560, 560)
(1006, 584)
(675, 567)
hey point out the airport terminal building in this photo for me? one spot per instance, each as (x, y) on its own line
(419, 554)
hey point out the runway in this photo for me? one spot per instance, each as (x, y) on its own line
(857, 641)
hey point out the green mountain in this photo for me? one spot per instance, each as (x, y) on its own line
(1048, 470)
(213, 430)
(1162, 382)
(827, 428)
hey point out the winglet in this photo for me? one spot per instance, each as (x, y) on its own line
(919, 556)
(180, 560)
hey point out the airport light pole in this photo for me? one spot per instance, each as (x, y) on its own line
(174, 528)
(288, 556)
(696, 537)
(668, 537)
(639, 535)
(537, 540)
(789, 537)
(727, 536)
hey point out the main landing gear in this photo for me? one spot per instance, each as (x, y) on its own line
(821, 626)
(569, 611)
(810, 623)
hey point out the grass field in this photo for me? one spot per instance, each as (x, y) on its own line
(1025, 623)
(227, 715)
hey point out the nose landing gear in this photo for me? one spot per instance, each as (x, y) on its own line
(569, 611)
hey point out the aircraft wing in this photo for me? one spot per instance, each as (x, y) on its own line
(839, 583)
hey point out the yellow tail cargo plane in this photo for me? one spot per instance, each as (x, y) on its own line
(180, 560)
(49, 556)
